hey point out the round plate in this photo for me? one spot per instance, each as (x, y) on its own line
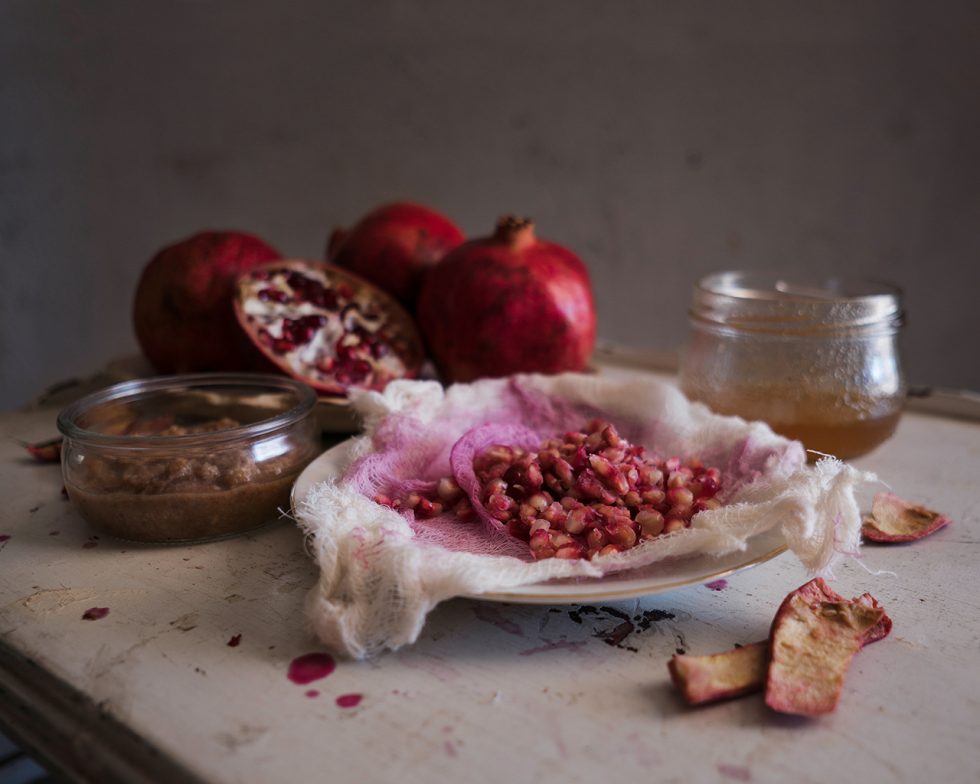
(655, 578)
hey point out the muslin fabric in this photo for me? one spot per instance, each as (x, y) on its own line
(382, 571)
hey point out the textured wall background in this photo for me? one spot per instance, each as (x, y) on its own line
(659, 140)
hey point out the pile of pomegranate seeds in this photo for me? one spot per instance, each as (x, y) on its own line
(581, 495)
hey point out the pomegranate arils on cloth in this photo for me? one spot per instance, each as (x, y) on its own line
(486, 486)
(326, 327)
(578, 495)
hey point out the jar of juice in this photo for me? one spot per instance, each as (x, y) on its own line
(817, 360)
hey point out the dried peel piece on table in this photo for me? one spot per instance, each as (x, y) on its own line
(45, 451)
(811, 647)
(720, 676)
(894, 520)
(743, 670)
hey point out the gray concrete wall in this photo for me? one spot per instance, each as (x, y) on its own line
(659, 140)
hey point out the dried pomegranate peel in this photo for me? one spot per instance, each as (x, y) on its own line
(744, 670)
(720, 676)
(810, 648)
(893, 520)
(45, 451)
(326, 327)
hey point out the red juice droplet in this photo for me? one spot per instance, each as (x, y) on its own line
(4, 537)
(349, 700)
(235, 641)
(95, 613)
(310, 667)
(311, 693)
(717, 585)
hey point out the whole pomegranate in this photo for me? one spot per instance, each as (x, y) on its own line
(327, 327)
(509, 303)
(393, 246)
(183, 311)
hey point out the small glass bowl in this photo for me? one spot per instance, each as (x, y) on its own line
(817, 359)
(187, 458)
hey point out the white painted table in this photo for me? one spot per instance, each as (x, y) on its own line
(490, 693)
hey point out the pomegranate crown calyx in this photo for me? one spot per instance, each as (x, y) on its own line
(516, 232)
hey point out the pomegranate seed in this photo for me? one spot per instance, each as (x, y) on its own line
(570, 551)
(673, 524)
(705, 505)
(540, 544)
(609, 549)
(539, 525)
(494, 487)
(501, 507)
(653, 497)
(539, 501)
(448, 490)
(622, 535)
(464, 510)
(577, 520)
(650, 521)
(680, 497)
(596, 539)
(554, 514)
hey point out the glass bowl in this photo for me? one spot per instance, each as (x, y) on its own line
(187, 458)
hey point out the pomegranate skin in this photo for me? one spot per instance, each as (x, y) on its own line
(508, 303)
(394, 246)
(183, 312)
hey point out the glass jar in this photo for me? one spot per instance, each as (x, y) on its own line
(816, 359)
(187, 458)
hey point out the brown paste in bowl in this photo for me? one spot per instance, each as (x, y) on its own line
(183, 493)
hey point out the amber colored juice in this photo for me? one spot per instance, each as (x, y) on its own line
(822, 421)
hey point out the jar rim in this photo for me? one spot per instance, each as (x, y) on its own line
(772, 301)
(773, 285)
(147, 387)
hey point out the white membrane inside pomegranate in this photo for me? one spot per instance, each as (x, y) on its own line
(329, 330)
(582, 494)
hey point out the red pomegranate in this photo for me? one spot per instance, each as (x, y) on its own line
(509, 303)
(393, 246)
(327, 327)
(182, 312)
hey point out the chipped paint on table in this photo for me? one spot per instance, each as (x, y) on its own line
(190, 649)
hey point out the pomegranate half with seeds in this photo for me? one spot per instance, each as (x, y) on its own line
(508, 303)
(326, 327)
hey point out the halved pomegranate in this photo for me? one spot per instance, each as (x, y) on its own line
(326, 327)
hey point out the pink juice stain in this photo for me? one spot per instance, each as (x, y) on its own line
(349, 700)
(716, 585)
(95, 613)
(310, 667)
(311, 693)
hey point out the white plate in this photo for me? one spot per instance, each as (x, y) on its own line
(656, 578)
